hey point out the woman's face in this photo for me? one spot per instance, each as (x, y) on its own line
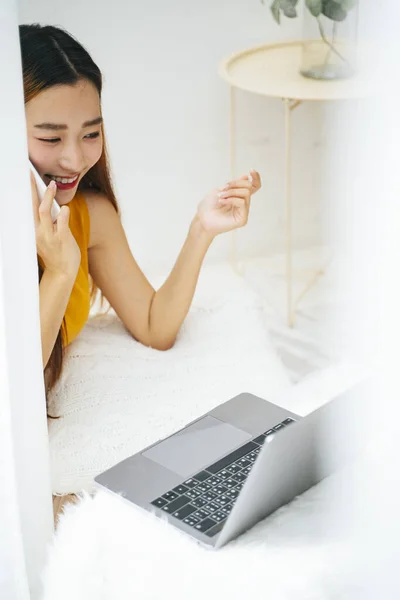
(64, 134)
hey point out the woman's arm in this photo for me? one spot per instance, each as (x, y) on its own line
(220, 211)
(54, 293)
(171, 302)
(154, 317)
(60, 253)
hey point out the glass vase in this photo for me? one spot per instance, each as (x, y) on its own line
(329, 46)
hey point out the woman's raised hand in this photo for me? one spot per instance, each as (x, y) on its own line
(55, 243)
(227, 208)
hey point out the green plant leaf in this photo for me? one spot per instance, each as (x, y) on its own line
(333, 10)
(276, 10)
(290, 12)
(348, 4)
(315, 7)
(289, 8)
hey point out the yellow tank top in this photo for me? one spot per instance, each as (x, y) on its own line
(78, 307)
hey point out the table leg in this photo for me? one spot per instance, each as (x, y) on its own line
(288, 213)
(232, 167)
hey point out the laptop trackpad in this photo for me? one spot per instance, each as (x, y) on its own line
(197, 446)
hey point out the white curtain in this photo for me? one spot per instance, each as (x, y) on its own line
(13, 580)
(26, 520)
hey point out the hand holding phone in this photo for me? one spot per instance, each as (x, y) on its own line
(41, 188)
(55, 243)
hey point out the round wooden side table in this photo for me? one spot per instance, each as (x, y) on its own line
(273, 70)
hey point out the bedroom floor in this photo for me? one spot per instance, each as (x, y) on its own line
(319, 336)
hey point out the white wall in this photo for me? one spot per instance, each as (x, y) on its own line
(166, 112)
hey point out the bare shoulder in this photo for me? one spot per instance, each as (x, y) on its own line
(102, 214)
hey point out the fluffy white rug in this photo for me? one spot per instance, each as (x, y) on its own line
(117, 396)
(107, 549)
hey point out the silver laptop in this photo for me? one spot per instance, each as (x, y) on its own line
(233, 466)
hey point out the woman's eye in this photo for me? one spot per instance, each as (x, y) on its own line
(90, 136)
(52, 141)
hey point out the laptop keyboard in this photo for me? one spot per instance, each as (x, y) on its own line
(205, 500)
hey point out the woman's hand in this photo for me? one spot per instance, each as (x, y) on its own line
(55, 243)
(228, 208)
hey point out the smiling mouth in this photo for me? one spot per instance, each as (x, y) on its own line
(62, 179)
(64, 184)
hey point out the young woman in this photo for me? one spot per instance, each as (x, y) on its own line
(87, 250)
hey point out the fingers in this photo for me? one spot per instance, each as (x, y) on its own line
(256, 185)
(247, 177)
(45, 207)
(238, 183)
(239, 209)
(242, 193)
(250, 180)
(62, 223)
(234, 201)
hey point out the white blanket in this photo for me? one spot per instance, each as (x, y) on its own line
(117, 396)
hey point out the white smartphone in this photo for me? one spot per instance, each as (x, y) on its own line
(41, 187)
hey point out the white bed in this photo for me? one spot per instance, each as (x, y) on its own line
(117, 397)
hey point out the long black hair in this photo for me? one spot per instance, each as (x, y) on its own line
(51, 56)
